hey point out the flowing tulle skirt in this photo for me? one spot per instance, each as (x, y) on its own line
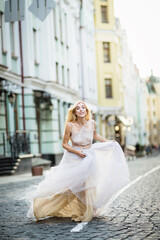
(79, 187)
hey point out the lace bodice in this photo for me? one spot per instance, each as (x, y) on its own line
(82, 135)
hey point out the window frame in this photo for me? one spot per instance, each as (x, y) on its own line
(57, 72)
(55, 23)
(2, 31)
(59, 119)
(12, 31)
(68, 77)
(110, 88)
(63, 76)
(104, 14)
(108, 51)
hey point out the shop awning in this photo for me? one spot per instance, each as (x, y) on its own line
(123, 120)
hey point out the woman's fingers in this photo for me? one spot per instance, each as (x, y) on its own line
(83, 154)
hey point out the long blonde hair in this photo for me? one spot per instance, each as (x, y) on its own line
(71, 117)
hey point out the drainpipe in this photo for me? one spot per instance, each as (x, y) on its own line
(81, 50)
(22, 76)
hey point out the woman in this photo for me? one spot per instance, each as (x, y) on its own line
(88, 175)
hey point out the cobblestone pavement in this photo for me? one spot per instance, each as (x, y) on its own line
(135, 214)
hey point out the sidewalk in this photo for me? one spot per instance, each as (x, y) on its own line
(19, 177)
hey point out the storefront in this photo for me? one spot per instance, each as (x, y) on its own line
(116, 127)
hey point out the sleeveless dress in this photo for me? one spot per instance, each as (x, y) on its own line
(80, 187)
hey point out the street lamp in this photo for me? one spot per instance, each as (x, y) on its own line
(51, 106)
(116, 128)
(11, 97)
(42, 105)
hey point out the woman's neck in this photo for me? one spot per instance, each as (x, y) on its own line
(81, 121)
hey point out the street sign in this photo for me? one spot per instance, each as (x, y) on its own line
(14, 10)
(41, 8)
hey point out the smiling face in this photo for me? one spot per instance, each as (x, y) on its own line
(80, 110)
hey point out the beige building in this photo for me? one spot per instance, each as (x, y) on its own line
(153, 111)
(109, 72)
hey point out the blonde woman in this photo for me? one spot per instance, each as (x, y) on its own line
(88, 175)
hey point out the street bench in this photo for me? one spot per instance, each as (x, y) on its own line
(130, 152)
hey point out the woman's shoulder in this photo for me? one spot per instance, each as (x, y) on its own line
(69, 124)
(68, 127)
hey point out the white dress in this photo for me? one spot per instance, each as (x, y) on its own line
(79, 187)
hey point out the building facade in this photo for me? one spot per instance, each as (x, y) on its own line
(153, 111)
(134, 98)
(121, 91)
(42, 72)
(109, 72)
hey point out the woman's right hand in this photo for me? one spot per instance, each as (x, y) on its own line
(81, 154)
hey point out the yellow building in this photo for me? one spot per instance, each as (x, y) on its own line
(153, 112)
(109, 71)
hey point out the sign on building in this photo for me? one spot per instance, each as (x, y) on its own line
(41, 8)
(14, 10)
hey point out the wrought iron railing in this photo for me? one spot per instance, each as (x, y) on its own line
(15, 144)
(20, 143)
(4, 145)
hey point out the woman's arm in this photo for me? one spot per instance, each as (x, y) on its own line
(65, 144)
(98, 137)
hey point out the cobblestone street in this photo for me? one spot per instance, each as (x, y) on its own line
(135, 214)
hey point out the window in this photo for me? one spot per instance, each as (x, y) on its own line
(61, 27)
(77, 32)
(108, 87)
(154, 102)
(63, 75)
(65, 110)
(57, 80)
(68, 77)
(55, 23)
(89, 80)
(104, 14)
(66, 36)
(1, 31)
(12, 28)
(93, 87)
(78, 76)
(59, 119)
(106, 52)
(35, 44)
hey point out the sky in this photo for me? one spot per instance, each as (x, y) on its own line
(141, 20)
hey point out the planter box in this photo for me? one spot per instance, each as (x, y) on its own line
(37, 171)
